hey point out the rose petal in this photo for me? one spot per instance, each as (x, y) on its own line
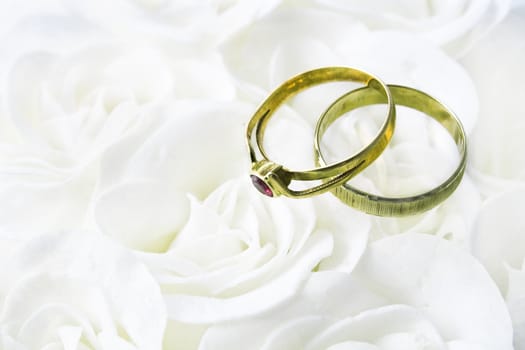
(70, 337)
(27, 208)
(495, 146)
(455, 25)
(183, 336)
(299, 320)
(456, 292)
(199, 147)
(408, 291)
(142, 215)
(194, 309)
(350, 230)
(498, 235)
(90, 283)
(395, 326)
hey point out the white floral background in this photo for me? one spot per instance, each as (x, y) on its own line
(127, 220)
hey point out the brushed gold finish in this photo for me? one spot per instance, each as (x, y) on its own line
(409, 97)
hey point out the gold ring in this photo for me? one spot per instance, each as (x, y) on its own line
(273, 179)
(405, 96)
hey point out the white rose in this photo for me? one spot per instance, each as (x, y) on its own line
(498, 241)
(147, 178)
(207, 22)
(65, 111)
(408, 292)
(421, 154)
(241, 254)
(78, 291)
(496, 145)
(456, 25)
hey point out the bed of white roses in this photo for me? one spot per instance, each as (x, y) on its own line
(128, 220)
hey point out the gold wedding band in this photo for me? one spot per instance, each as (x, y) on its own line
(273, 179)
(385, 206)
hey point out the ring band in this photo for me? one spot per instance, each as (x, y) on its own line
(273, 179)
(405, 96)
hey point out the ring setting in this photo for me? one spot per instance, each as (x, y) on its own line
(268, 178)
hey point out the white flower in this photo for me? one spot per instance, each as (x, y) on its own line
(408, 292)
(65, 111)
(241, 254)
(456, 25)
(79, 291)
(201, 22)
(146, 178)
(498, 241)
(496, 145)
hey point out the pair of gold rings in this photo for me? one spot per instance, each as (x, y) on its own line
(273, 179)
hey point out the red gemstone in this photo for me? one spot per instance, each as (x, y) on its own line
(261, 186)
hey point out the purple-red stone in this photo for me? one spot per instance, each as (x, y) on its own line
(261, 186)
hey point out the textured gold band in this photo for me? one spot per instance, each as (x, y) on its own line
(405, 96)
(273, 179)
